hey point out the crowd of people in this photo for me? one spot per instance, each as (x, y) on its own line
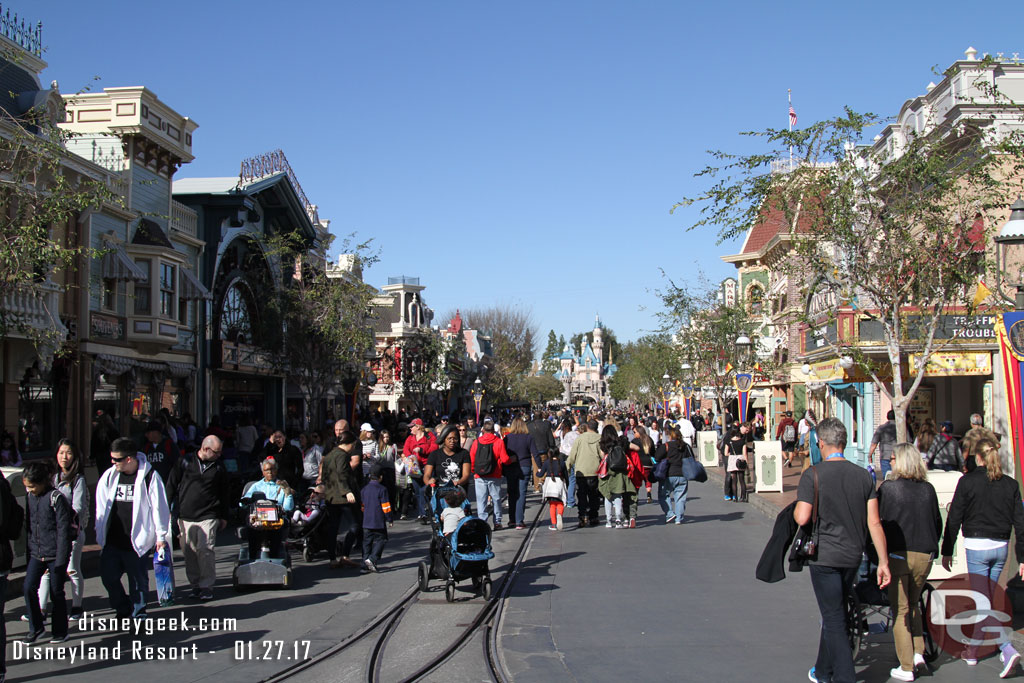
(843, 505)
(182, 482)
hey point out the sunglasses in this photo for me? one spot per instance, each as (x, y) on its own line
(121, 459)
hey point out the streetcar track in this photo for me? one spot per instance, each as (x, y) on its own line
(389, 620)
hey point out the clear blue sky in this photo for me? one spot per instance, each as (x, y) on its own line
(521, 152)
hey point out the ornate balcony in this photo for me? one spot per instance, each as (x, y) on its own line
(183, 219)
(33, 308)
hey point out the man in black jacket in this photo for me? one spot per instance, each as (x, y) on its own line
(543, 439)
(200, 487)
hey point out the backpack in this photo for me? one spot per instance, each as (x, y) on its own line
(76, 524)
(14, 514)
(484, 462)
(789, 432)
(617, 459)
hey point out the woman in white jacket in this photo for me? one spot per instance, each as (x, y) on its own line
(132, 516)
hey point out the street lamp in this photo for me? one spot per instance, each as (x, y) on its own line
(1012, 236)
(743, 346)
(478, 396)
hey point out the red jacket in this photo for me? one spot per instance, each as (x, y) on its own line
(428, 443)
(500, 455)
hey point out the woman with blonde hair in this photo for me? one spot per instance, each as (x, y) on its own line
(524, 457)
(987, 506)
(909, 510)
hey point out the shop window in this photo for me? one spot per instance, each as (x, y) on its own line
(108, 300)
(183, 312)
(36, 414)
(142, 292)
(167, 298)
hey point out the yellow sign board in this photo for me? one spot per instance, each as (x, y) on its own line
(956, 364)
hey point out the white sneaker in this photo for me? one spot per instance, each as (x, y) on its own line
(919, 661)
(558, 523)
(969, 661)
(901, 675)
(608, 524)
(1009, 663)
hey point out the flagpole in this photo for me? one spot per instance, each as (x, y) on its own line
(789, 93)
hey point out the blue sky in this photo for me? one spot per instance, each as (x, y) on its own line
(523, 152)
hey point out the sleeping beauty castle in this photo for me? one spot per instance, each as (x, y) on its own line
(585, 376)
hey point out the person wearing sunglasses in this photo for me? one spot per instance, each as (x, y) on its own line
(132, 517)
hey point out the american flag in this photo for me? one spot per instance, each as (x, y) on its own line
(792, 117)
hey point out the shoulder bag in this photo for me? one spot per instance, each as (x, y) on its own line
(805, 543)
(692, 469)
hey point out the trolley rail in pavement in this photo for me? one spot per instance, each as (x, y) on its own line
(388, 621)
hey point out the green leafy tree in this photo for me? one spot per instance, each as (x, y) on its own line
(895, 230)
(540, 388)
(42, 196)
(549, 363)
(315, 325)
(641, 367)
(513, 344)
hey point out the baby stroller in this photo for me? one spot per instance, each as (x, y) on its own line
(311, 536)
(464, 555)
(867, 601)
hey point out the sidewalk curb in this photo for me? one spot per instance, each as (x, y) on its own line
(759, 503)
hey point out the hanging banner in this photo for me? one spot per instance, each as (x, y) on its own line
(743, 381)
(687, 400)
(1010, 328)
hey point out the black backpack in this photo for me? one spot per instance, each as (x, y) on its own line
(484, 462)
(617, 459)
(14, 514)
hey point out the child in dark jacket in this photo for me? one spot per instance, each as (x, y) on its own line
(376, 512)
(48, 520)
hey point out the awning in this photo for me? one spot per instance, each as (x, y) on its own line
(844, 388)
(758, 402)
(117, 265)
(113, 365)
(118, 365)
(191, 288)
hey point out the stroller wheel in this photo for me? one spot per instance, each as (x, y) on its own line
(307, 554)
(449, 592)
(424, 576)
(485, 589)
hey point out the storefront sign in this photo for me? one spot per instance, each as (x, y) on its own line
(955, 364)
(963, 328)
(106, 327)
(817, 337)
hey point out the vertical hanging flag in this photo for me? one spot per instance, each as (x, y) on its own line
(792, 117)
(743, 382)
(1010, 328)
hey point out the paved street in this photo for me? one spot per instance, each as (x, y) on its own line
(656, 603)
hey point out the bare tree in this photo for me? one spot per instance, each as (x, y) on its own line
(513, 336)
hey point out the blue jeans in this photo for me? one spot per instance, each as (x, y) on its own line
(672, 497)
(570, 495)
(831, 586)
(886, 465)
(33, 575)
(488, 487)
(987, 564)
(114, 563)
(515, 482)
(419, 491)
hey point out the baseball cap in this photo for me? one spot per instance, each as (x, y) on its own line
(418, 422)
(366, 427)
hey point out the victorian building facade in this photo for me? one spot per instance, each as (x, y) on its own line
(236, 216)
